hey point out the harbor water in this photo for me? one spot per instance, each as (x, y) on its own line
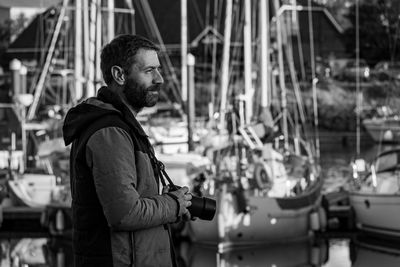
(346, 249)
(330, 252)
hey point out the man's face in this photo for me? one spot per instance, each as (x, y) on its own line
(143, 82)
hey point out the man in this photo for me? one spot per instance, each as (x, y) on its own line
(119, 217)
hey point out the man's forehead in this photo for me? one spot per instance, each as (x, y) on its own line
(146, 58)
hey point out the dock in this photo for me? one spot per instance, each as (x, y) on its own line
(340, 215)
(52, 220)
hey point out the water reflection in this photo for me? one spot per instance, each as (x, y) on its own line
(304, 253)
(361, 251)
(24, 252)
(373, 251)
(357, 252)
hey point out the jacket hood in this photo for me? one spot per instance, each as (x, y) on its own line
(81, 116)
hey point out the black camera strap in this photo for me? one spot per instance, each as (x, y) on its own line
(164, 176)
(161, 172)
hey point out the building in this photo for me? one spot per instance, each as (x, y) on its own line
(12, 10)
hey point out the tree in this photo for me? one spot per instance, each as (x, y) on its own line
(378, 30)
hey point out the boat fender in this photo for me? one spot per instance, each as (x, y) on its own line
(60, 258)
(261, 176)
(60, 220)
(315, 224)
(315, 256)
(319, 253)
(388, 136)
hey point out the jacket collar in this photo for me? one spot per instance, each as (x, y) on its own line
(107, 96)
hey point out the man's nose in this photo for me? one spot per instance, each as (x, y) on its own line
(158, 79)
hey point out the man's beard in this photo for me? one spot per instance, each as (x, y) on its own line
(138, 96)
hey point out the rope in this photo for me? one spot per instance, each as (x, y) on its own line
(315, 99)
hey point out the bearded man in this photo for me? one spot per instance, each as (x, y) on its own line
(120, 217)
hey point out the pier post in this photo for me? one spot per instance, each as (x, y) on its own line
(190, 101)
(15, 67)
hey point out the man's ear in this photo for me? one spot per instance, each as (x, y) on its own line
(118, 75)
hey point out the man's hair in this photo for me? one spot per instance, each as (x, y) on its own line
(121, 52)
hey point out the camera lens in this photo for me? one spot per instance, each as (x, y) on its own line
(203, 208)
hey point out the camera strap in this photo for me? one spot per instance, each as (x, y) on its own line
(164, 176)
(161, 172)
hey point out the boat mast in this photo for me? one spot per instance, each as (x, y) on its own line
(92, 48)
(99, 35)
(110, 20)
(358, 95)
(247, 62)
(86, 45)
(265, 60)
(281, 76)
(225, 62)
(184, 77)
(78, 62)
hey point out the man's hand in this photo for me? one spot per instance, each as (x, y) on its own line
(183, 197)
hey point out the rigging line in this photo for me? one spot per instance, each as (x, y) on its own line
(313, 80)
(197, 12)
(225, 63)
(282, 83)
(38, 92)
(156, 33)
(290, 58)
(393, 52)
(219, 12)
(388, 28)
(358, 102)
(299, 44)
(44, 42)
(214, 57)
(295, 83)
(207, 14)
(236, 53)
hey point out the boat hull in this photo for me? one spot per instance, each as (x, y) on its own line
(377, 213)
(33, 190)
(382, 130)
(269, 220)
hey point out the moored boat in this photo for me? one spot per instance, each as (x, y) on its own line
(375, 196)
(383, 129)
(275, 199)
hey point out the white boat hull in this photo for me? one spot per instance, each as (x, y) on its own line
(377, 213)
(267, 222)
(33, 190)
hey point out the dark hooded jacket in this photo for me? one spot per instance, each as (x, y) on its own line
(118, 213)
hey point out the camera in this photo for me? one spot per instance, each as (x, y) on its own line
(202, 207)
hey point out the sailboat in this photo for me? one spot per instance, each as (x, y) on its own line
(375, 195)
(374, 192)
(265, 193)
(57, 86)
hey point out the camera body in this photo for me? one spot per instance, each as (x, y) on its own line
(202, 207)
